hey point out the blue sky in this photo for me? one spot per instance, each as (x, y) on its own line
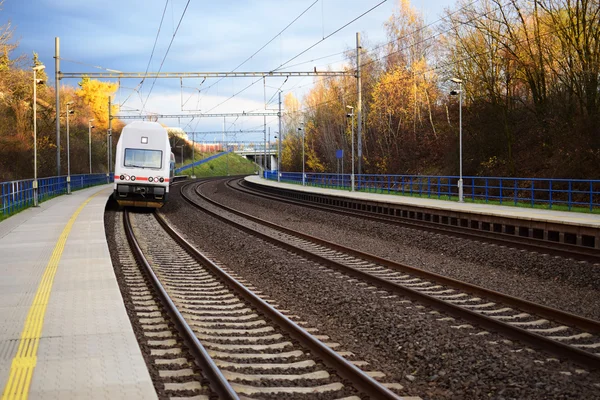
(213, 36)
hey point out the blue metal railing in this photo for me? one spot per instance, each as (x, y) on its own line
(195, 164)
(17, 195)
(550, 193)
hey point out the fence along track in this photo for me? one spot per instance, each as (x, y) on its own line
(564, 334)
(246, 350)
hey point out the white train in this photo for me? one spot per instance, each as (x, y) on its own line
(144, 165)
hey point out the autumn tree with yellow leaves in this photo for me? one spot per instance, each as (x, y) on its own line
(531, 93)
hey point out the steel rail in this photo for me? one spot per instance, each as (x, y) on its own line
(344, 368)
(218, 383)
(533, 339)
(553, 248)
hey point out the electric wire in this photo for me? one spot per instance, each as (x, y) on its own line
(166, 53)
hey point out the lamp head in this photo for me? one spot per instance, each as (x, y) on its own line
(69, 103)
(39, 67)
(456, 80)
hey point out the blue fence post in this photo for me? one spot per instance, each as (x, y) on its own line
(550, 192)
(486, 190)
(591, 196)
(500, 191)
(532, 193)
(388, 185)
(429, 187)
(473, 189)
(569, 195)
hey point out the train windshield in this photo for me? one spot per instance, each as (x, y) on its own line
(141, 158)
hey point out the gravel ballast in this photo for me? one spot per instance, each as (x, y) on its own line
(431, 356)
(565, 284)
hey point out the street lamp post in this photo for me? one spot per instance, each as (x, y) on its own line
(90, 142)
(68, 150)
(301, 129)
(461, 198)
(351, 115)
(35, 83)
(276, 137)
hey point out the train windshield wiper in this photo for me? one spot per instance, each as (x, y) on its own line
(136, 166)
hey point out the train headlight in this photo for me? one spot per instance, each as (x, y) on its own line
(162, 180)
(122, 177)
(126, 177)
(150, 179)
(133, 178)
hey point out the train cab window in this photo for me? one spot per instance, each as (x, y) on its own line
(142, 158)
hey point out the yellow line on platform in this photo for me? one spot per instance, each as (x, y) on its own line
(21, 369)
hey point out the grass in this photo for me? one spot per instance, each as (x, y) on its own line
(508, 202)
(228, 164)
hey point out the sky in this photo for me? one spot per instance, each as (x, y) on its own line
(213, 36)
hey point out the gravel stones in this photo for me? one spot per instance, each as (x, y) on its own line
(394, 335)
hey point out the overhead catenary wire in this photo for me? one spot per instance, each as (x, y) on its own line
(304, 51)
(331, 34)
(139, 85)
(269, 42)
(166, 53)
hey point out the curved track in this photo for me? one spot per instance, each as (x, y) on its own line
(245, 346)
(565, 250)
(553, 330)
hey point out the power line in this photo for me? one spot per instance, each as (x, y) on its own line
(269, 42)
(155, 41)
(331, 34)
(304, 51)
(167, 52)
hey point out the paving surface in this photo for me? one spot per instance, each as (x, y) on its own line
(564, 217)
(87, 348)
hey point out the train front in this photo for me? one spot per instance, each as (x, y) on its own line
(142, 165)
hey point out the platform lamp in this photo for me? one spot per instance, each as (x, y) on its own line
(90, 141)
(68, 150)
(461, 198)
(35, 83)
(351, 115)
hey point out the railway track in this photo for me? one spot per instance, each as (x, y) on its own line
(561, 333)
(530, 244)
(243, 345)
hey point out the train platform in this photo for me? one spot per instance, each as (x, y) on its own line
(64, 330)
(560, 226)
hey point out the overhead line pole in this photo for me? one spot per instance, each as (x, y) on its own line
(57, 90)
(279, 139)
(265, 148)
(358, 106)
